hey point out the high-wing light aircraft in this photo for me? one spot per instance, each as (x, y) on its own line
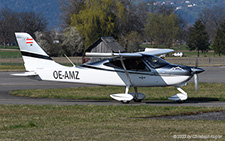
(141, 69)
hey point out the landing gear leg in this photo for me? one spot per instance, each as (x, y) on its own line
(180, 97)
(127, 89)
(126, 93)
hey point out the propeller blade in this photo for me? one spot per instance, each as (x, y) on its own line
(196, 82)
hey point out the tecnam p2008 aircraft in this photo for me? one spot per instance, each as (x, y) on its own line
(141, 69)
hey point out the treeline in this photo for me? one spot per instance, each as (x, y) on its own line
(130, 23)
(11, 22)
(133, 23)
(84, 21)
(49, 8)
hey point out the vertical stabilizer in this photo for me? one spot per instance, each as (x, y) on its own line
(34, 56)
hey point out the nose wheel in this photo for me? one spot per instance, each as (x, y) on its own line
(180, 97)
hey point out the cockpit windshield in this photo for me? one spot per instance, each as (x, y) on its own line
(155, 62)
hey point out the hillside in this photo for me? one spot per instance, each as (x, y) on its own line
(188, 9)
(49, 8)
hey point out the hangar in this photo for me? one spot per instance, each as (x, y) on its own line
(106, 45)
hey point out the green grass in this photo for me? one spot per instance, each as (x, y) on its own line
(10, 53)
(27, 122)
(9, 47)
(16, 67)
(207, 91)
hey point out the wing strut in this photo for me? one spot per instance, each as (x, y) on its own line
(127, 97)
(127, 74)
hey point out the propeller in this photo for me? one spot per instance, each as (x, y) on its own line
(196, 75)
(196, 71)
(196, 82)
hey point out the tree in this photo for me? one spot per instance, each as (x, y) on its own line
(132, 41)
(134, 17)
(219, 42)
(50, 42)
(72, 42)
(32, 22)
(98, 19)
(8, 25)
(198, 38)
(11, 22)
(212, 18)
(162, 28)
(57, 43)
(68, 8)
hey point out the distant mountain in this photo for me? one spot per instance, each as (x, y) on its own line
(49, 8)
(188, 9)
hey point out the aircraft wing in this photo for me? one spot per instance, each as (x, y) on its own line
(95, 54)
(156, 51)
(148, 51)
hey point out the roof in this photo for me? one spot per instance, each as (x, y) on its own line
(110, 42)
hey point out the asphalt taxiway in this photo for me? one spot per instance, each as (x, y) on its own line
(9, 82)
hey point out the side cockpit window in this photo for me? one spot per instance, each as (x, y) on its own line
(134, 64)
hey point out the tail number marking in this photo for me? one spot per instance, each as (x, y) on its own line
(66, 75)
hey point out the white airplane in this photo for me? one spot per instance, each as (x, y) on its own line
(141, 69)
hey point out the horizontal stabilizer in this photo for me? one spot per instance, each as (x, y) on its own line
(25, 74)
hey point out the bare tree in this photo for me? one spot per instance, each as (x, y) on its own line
(8, 25)
(69, 7)
(11, 22)
(32, 22)
(212, 19)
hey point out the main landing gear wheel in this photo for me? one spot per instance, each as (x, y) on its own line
(181, 101)
(125, 102)
(137, 100)
(138, 97)
(126, 97)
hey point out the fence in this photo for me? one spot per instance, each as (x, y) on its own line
(202, 61)
(190, 61)
(19, 61)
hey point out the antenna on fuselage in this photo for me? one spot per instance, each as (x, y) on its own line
(69, 60)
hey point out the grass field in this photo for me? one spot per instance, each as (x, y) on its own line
(91, 122)
(12, 68)
(9, 53)
(101, 123)
(207, 91)
(9, 47)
